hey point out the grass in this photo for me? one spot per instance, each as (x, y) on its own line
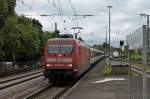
(136, 57)
(107, 70)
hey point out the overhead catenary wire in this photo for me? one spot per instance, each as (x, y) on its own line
(59, 8)
(73, 8)
(32, 5)
(24, 3)
(54, 3)
(61, 17)
(57, 4)
(74, 12)
(60, 5)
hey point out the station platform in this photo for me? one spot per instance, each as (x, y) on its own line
(95, 85)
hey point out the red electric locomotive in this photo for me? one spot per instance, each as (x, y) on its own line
(65, 58)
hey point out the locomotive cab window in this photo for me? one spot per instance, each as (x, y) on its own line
(66, 49)
(53, 48)
(60, 49)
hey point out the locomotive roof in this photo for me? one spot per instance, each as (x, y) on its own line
(73, 39)
(67, 39)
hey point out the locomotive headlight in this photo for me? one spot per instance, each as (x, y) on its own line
(49, 65)
(75, 70)
(59, 55)
(69, 65)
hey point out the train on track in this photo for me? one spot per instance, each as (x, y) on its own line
(66, 59)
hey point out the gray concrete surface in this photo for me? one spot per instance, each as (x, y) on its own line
(115, 89)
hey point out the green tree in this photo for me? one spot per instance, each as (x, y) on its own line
(11, 7)
(1, 45)
(55, 34)
(11, 37)
(47, 35)
(30, 40)
(21, 38)
(3, 12)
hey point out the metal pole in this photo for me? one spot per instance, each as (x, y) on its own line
(109, 31)
(121, 54)
(106, 41)
(148, 30)
(148, 38)
(106, 35)
(145, 58)
(144, 62)
(55, 26)
(144, 54)
(129, 73)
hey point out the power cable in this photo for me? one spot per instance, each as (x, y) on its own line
(32, 5)
(24, 3)
(60, 5)
(73, 8)
(74, 11)
(54, 3)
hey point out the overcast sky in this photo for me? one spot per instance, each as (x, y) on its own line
(125, 17)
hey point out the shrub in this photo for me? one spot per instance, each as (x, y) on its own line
(107, 70)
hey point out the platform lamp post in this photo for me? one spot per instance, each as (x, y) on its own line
(109, 31)
(105, 43)
(129, 72)
(145, 57)
(147, 28)
(106, 38)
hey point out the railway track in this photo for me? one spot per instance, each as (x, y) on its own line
(139, 71)
(55, 92)
(38, 92)
(6, 83)
(17, 71)
(49, 92)
(133, 68)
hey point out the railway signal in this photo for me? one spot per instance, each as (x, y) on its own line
(121, 43)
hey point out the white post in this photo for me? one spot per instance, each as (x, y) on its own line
(145, 46)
